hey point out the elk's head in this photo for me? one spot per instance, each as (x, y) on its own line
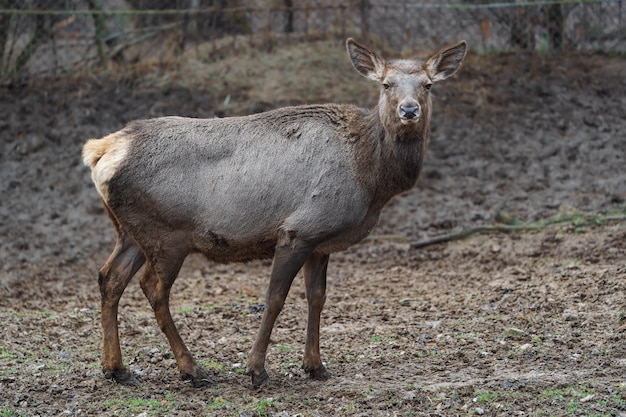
(405, 93)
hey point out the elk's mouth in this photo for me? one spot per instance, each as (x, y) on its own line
(408, 121)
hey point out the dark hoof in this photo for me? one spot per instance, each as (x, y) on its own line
(122, 376)
(260, 379)
(321, 373)
(201, 379)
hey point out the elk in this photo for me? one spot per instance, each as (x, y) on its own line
(293, 184)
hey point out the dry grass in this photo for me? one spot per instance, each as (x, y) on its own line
(252, 80)
(244, 79)
(241, 76)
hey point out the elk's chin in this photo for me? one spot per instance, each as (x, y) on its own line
(406, 121)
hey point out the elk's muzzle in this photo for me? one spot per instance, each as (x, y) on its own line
(409, 112)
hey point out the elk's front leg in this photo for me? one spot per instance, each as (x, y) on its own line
(315, 282)
(288, 260)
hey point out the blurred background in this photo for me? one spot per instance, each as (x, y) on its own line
(56, 36)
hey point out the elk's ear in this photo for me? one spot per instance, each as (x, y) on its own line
(446, 62)
(368, 63)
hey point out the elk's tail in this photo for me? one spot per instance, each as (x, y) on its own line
(104, 157)
(94, 149)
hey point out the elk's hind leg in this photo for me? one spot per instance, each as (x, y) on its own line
(315, 282)
(113, 278)
(156, 283)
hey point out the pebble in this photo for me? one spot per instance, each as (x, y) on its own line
(409, 395)
(30, 144)
(515, 332)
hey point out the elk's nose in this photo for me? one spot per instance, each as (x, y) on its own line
(409, 112)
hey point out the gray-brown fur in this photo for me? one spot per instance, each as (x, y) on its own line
(295, 184)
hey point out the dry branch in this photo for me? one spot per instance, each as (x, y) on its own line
(576, 219)
(510, 225)
(473, 231)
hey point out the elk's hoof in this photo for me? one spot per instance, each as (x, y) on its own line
(201, 379)
(321, 373)
(122, 376)
(259, 379)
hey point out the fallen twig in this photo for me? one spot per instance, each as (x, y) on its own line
(577, 220)
(474, 231)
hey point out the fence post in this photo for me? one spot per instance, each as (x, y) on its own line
(556, 24)
(5, 20)
(41, 31)
(288, 27)
(342, 11)
(620, 23)
(100, 25)
(365, 17)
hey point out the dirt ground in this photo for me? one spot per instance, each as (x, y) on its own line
(504, 324)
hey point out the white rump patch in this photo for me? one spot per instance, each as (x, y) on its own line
(113, 150)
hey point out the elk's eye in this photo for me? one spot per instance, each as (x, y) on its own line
(427, 86)
(386, 86)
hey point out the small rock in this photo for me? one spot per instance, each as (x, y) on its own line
(30, 144)
(406, 302)
(409, 395)
(479, 411)
(587, 398)
(65, 355)
(591, 121)
(515, 332)
(256, 308)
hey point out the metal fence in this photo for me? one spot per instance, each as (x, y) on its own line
(55, 36)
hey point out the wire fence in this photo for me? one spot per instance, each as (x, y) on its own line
(56, 36)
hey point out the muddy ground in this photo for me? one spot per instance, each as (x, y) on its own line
(528, 323)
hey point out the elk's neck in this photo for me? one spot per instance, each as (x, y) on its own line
(400, 153)
(402, 160)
